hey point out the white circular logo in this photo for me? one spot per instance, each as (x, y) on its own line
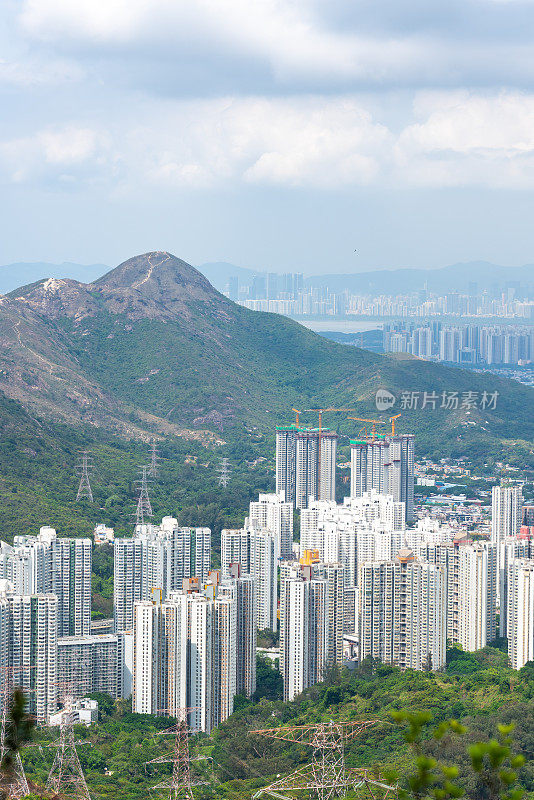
(384, 400)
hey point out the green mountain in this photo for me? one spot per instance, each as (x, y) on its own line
(153, 348)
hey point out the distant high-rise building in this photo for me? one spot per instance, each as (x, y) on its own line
(184, 655)
(233, 288)
(471, 578)
(242, 588)
(305, 464)
(402, 616)
(385, 464)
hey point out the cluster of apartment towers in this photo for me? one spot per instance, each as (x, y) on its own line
(363, 581)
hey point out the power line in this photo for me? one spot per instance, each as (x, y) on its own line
(84, 487)
(327, 776)
(224, 472)
(153, 471)
(144, 507)
(181, 784)
(66, 777)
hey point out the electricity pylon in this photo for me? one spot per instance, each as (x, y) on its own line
(153, 471)
(84, 487)
(144, 508)
(17, 786)
(327, 776)
(224, 472)
(66, 777)
(180, 786)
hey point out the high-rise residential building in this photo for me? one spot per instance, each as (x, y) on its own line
(366, 528)
(242, 588)
(510, 549)
(184, 655)
(385, 464)
(471, 579)
(156, 557)
(87, 664)
(255, 550)
(334, 576)
(273, 513)
(305, 464)
(32, 649)
(521, 612)
(506, 512)
(506, 518)
(302, 630)
(402, 612)
(48, 564)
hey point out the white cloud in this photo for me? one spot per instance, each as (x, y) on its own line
(317, 142)
(54, 154)
(35, 73)
(468, 139)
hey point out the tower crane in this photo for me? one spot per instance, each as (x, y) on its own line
(392, 420)
(374, 423)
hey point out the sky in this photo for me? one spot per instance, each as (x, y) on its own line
(306, 135)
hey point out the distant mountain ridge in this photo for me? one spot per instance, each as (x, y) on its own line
(152, 348)
(444, 279)
(393, 281)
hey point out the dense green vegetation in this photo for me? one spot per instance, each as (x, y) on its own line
(477, 688)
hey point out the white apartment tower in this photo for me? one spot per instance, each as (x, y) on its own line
(32, 650)
(506, 515)
(521, 612)
(477, 595)
(184, 655)
(271, 512)
(402, 617)
(256, 551)
(302, 631)
(470, 570)
(242, 588)
(46, 564)
(305, 464)
(385, 464)
(156, 557)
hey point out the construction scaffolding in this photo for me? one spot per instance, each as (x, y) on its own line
(326, 776)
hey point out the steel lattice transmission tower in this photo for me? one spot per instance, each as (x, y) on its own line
(153, 470)
(181, 784)
(144, 508)
(66, 777)
(84, 487)
(18, 785)
(224, 472)
(327, 776)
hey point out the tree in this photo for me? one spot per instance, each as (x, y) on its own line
(18, 731)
